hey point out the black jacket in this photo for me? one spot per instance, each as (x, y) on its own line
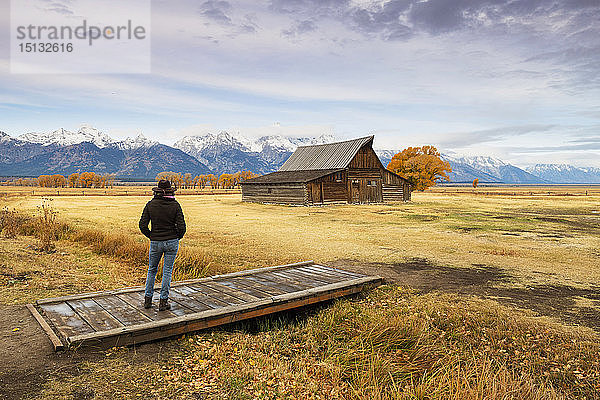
(167, 219)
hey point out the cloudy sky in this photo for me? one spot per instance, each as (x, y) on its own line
(514, 79)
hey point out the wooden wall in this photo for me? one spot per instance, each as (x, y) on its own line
(365, 159)
(335, 192)
(395, 188)
(281, 193)
(328, 189)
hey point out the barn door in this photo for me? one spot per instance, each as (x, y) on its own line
(316, 193)
(355, 191)
(374, 190)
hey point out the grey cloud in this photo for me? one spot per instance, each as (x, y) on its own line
(586, 140)
(385, 20)
(216, 11)
(310, 7)
(245, 28)
(461, 139)
(554, 149)
(399, 19)
(299, 28)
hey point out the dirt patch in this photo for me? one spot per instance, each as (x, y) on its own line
(28, 358)
(571, 305)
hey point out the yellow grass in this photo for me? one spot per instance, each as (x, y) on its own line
(545, 239)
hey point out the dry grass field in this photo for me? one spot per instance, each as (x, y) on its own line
(493, 296)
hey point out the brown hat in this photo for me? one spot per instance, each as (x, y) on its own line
(164, 186)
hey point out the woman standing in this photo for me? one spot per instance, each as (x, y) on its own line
(168, 227)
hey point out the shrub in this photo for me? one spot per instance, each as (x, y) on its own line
(10, 221)
(47, 227)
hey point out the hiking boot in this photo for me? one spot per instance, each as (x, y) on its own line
(163, 305)
(147, 302)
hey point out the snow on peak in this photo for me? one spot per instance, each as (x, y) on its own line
(134, 143)
(195, 144)
(591, 170)
(4, 137)
(537, 168)
(278, 142)
(64, 137)
(489, 165)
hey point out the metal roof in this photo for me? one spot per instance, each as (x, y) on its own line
(290, 176)
(328, 156)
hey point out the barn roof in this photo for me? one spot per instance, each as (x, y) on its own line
(328, 156)
(291, 176)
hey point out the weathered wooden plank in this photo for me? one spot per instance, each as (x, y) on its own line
(121, 310)
(56, 343)
(330, 272)
(252, 282)
(65, 319)
(188, 323)
(287, 281)
(136, 299)
(325, 279)
(216, 293)
(239, 289)
(204, 298)
(279, 286)
(336, 270)
(188, 301)
(93, 313)
(264, 269)
(176, 284)
(301, 280)
(179, 308)
(257, 284)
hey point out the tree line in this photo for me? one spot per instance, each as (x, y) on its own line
(75, 180)
(189, 181)
(94, 180)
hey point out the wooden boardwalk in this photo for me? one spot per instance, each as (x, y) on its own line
(117, 318)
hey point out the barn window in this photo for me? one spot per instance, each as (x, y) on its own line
(269, 190)
(355, 181)
(338, 177)
(372, 183)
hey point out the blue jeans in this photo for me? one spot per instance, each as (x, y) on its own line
(157, 249)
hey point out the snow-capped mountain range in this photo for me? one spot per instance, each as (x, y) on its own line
(86, 133)
(139, 158)
(63, 137)
(199, 143)
(564, 173)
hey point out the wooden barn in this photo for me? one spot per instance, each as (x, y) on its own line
(342, 172)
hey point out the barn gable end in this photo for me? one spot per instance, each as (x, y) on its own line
(348, 172)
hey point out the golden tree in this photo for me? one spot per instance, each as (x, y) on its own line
(73, 179)
(422, 166)
(188, 179)
(213, 180)
(475, 183)
(226, 181)
(245, 175)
